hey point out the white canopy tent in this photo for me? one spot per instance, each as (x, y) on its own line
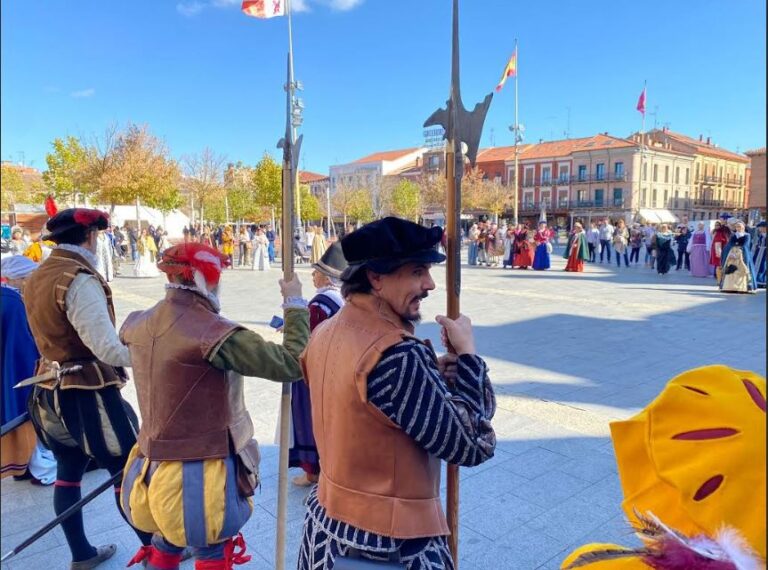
(173, 222)
(657, 216)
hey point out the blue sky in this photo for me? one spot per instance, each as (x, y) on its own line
(200, 73)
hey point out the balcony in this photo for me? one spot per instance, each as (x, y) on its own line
(597, 204)
(710, 203)
(548, 206)
(597, 178)
(709, 179)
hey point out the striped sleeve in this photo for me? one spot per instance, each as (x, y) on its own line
(454, 426)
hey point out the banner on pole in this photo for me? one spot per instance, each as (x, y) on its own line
(509, 71)
(263, 8)
(641, 102)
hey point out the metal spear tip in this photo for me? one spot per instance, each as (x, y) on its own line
(7, 555)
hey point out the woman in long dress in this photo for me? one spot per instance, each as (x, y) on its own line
(228, 244)
(738, 270)
(542, 236)
(145, 263)
(576, 250)
(318, 245)
(758, 253)
(260, 251)
(523, 250)
(509, 248)
(720, 236)
(665, 257)
(698, 250)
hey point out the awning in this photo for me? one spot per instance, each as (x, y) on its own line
(657, 215)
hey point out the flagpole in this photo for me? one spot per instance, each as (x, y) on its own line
(642, 144)
(517, 137)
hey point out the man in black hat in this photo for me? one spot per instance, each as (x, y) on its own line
(382, 414)
(79, 414)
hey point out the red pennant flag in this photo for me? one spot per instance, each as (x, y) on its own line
(263, 8)
(50, 206)
(641, 102)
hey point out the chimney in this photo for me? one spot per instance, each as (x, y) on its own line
(709, 140)
(664, 129)
(541, 141)
(701, 138)
(606, 133)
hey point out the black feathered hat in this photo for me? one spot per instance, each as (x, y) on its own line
(384, 245)
(71, 218)
(333, 263)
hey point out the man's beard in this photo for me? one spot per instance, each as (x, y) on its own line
(414, 319)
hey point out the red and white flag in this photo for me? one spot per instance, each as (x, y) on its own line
(263, 8)
(641, 102)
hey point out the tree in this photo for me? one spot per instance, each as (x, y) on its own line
(11, 186)
(433, 188)
(405, 200)
(342, 200)
(142, 171)
(267, 181)
(204, 180)
(310, 205)
(361, 205)
(66, 176)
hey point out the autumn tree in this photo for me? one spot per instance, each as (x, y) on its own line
(267, 181)
(404, 200)
(142, 172)
(361, 206)
(67, 174)
(433, 188)
(16, 188)
(310, 205)
(342, 199)
(204, 180)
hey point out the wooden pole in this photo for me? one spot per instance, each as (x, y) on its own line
(452, 271)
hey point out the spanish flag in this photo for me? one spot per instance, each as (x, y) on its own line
(263, 8)
(509, 71)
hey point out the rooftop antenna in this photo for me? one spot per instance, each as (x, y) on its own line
(493, 137)
(655, 116)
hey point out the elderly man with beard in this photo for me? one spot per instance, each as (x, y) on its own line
(190, 476)
(382, 413)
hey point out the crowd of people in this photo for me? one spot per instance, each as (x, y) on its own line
(730, 253)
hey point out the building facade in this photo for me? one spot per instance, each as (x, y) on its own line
(756, 184)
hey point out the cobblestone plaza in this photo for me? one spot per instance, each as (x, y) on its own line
(568, 353)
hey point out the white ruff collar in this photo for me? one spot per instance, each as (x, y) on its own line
(210, 297)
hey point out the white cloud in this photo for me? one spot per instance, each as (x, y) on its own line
(90, 92)
(344, 5)
(189, 9)
(226, 3)
(300, 6)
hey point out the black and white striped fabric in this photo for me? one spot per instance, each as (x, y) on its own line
(452, 425)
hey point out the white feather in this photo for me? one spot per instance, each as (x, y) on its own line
(738, 550)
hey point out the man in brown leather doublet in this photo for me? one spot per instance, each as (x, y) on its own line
(382, 415)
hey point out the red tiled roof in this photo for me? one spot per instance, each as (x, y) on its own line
(703, 148)
(386, 155)
(495, 154)
(755, 152)
(602, 141)
(559, 148)
(305, 176)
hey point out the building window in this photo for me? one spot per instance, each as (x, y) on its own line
(721, 173)
(433, 161)
(687, 175)
(644, 197)
(666, 173)
(645, 171)
(546, 175)
(581, 197)
(563, 174)
(666, 198)
(528, 179)
(600, 171)
(618, 170)
(528, 199)
(655, 172)
(653, 198)
(599, 196)
(677, 175)
(582, 172)
(545, 199)
(618, 197)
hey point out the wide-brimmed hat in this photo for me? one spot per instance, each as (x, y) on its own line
(384, 245)
(72, 218)
(333, 263)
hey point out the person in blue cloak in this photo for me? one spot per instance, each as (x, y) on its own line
(23, 456)
(758, 253)
(737, 268)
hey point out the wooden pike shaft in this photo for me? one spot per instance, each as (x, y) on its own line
(452, 280)
(285, 397)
